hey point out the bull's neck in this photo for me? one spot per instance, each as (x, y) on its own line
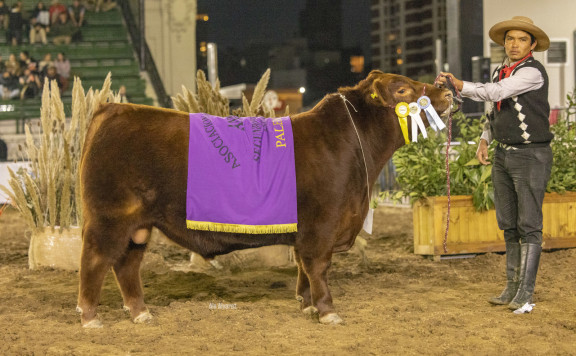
(377, 132)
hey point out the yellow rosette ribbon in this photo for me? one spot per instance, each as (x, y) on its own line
(403, 110)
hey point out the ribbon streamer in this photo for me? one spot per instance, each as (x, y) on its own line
(403, 110)
(416, 122)
(436, 123)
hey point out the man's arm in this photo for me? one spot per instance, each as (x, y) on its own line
(524, 80)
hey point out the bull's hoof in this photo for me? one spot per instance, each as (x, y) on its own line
(311, 310)
(300, 298)
(144, 317)
(331, 319)
(93, 324)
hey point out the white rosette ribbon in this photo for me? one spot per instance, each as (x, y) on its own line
(416, 122)
(434, 120)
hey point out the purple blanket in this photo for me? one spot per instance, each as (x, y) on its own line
(241, 175)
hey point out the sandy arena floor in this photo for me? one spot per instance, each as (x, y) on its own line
(399, 304)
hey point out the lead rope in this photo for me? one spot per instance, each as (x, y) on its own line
(360, 142)
(449, 140)
(444, 243)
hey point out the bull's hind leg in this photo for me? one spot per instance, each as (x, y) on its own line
(127, 271)
(102, 246)
(316, 268)
(303, 288)
(93, 269)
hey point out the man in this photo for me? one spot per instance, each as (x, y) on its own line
(9, 86)
(55, 10)
(76, 12)
(62, 30)
(25, 59)
(4, 14)
(518, 122)
(15, 25)
(37, 32)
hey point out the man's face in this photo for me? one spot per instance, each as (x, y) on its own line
(517, 44)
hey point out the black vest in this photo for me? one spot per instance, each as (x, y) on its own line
(522, 120)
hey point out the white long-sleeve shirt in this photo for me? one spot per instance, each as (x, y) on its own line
(524, 80)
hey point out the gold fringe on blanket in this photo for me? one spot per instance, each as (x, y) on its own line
(242, 229)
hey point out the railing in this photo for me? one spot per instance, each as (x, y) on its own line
(135, 28)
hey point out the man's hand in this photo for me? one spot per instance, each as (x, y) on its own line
(456, 82)
(482, 152)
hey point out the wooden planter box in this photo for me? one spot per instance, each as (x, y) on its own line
(473, 232)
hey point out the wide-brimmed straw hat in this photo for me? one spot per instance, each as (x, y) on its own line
(523, 23)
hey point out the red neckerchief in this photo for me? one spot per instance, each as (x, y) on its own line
(508, 70)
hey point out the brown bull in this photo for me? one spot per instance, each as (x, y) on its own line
(134, 174)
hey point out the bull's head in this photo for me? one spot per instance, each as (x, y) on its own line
(387, 90)
(384, 91)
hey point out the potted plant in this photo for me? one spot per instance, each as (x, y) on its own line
(473, 227)
(47, 193)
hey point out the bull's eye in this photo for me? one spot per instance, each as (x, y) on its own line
(402, 91)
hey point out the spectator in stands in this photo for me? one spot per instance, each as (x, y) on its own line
(15, 25)
(76, 12)
(44, 63)
(3, 151)
(52, 75)
(124, 97)
(37, 32)
(9, 86)
(13, 65)
(62, 30)
(26, 59)
(30, 83)
(42, 15)
(102, 5)
(55, 10)
(62, 65)
(90, 5)
(4, 14)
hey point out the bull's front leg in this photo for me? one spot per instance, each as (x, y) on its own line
(316, 268)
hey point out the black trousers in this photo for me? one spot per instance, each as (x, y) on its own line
(520, 177)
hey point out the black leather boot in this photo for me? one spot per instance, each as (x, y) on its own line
(512, 275)
(529, 261)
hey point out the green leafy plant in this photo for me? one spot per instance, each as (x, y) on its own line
(421, 166)
(563, 176)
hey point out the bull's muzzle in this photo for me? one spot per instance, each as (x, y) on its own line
(451, 99)
(452, 95)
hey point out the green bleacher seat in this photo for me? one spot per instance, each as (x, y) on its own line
(105, 47)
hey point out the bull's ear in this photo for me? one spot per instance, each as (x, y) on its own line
(378, 93)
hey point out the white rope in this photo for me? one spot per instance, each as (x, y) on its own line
(360, 142)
